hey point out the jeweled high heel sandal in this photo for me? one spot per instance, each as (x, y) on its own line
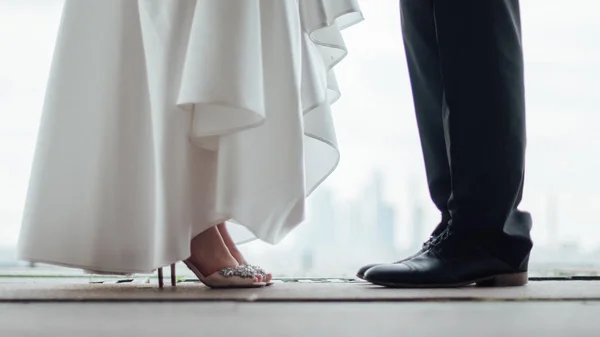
(229, 277)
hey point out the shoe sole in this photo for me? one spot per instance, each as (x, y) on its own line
(502, 280)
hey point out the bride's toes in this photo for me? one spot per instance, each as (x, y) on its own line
(266, 277)
(249, 269)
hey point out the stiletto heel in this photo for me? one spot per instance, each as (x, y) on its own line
(173, 276)
(230, 277)
(161, 282)
(160, 278)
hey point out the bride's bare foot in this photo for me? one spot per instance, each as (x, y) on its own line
(235, 252)
(209, 254)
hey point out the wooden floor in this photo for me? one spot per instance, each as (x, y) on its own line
(47, 307)
(230, 319)
(45, 290)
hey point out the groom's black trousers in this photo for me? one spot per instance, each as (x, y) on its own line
(465, 62)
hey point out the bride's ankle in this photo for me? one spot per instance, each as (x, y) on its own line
(237, 255)
(209, 253)
(230, 243)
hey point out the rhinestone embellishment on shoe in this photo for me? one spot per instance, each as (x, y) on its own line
(239, 271)
(257, 269)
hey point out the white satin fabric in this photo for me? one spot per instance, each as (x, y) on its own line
(165, 117)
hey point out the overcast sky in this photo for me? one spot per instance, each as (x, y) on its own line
(374, 119)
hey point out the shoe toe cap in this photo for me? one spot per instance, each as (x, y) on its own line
(387, 272)
(361, 272)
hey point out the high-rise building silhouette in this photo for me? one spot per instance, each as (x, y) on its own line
(381, 217)
(387, 235)
(316, 239)
(418, 231)
(417, 218)
(354, 231)
(322, 212)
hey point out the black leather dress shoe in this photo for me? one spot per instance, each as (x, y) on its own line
(449, 263)
(361, 272)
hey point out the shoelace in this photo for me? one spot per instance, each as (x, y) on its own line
(436, 242)
(425, 245)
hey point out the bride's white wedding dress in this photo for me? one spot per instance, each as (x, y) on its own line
(163, 118)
